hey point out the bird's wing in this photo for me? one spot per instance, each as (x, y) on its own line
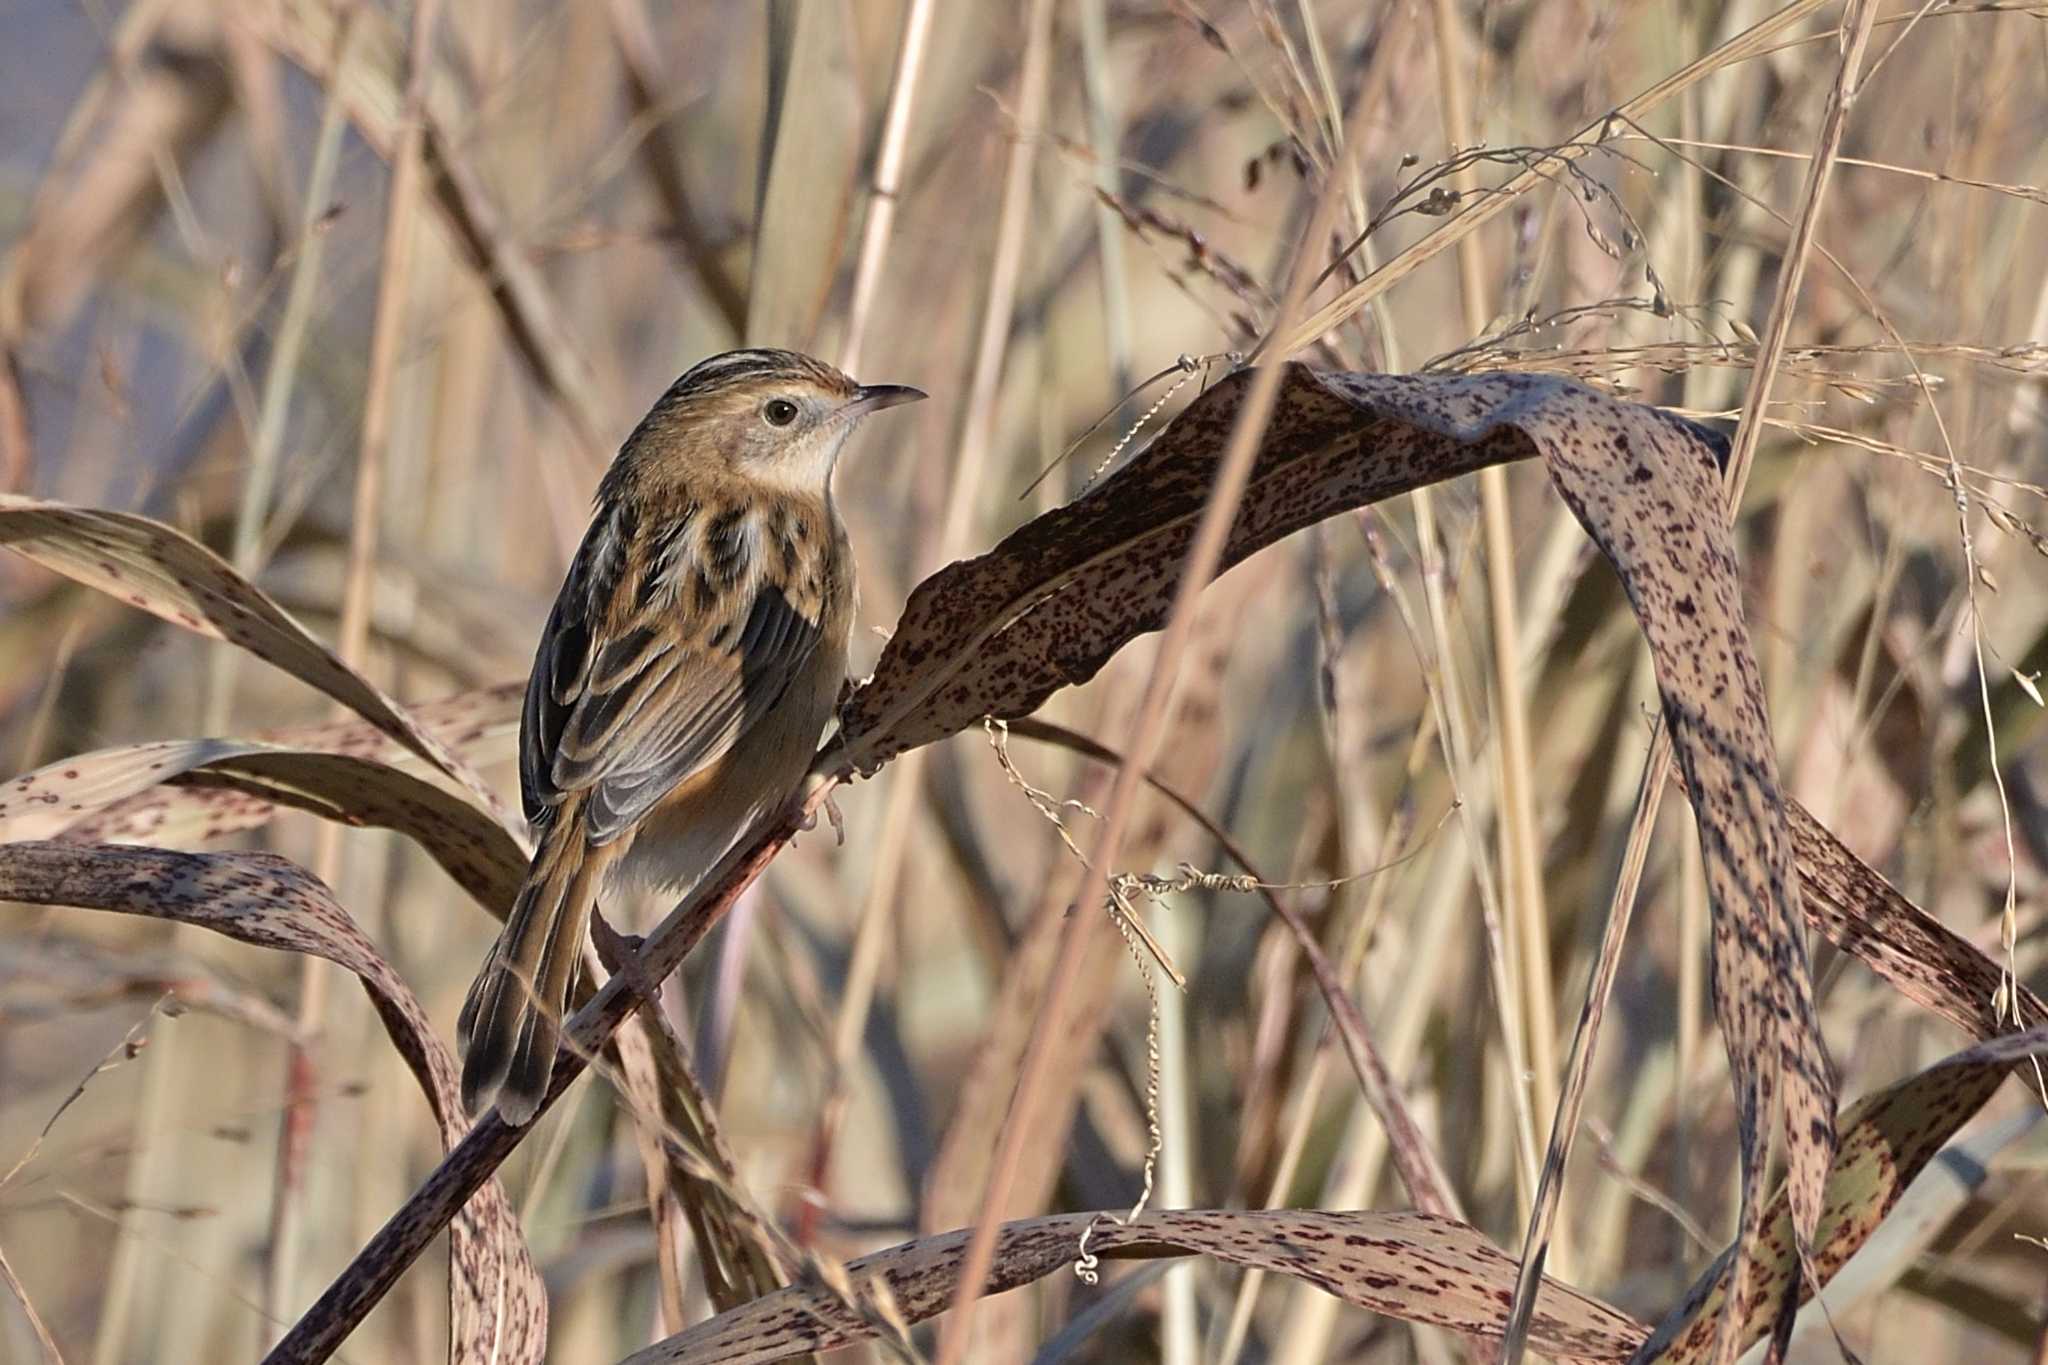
(624, 706)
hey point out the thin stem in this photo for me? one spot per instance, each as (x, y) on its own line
(1528, 1015)
(879, 229)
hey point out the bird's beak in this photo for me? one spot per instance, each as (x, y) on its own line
(875, 397)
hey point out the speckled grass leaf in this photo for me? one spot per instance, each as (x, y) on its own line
(1923, 959)
(1414, 1266)
(1886, 1139)
(168, 574)
(70, 798)
(1047, 607)
(480, 726)
(498, 1308)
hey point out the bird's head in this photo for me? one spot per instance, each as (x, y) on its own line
(775, 418)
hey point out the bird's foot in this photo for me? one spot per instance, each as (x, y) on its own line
(621, 953)
(808, 802)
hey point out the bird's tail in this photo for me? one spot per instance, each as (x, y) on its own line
(512, 1020)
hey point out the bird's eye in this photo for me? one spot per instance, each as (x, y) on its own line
(780, 412)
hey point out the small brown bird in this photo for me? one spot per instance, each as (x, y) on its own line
(689, 666)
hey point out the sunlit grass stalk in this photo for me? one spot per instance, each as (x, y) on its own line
(394, 291)
(1177, 932)
(1527, 1010)
(879, 228)
(977, 430)
(280, 378)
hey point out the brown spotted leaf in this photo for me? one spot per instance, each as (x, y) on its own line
(480, 726)
(498, 1307)
(1653, 501)
(1886, 1139)
(67, 798)
(168, 574)
(1927, 962)
(1415, 1266)
(998, 634)
(1047, 607)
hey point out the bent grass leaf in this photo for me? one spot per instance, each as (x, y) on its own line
(479, 726)
(1419, 1267)
(999, 634)
(65, 799)
(164, 572)
(1886, 1139)
(1924, 960)
(497, 1305)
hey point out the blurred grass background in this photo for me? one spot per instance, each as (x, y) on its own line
(194, 207)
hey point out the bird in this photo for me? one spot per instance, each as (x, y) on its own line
(691, 662)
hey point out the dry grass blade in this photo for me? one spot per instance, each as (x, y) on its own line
(1922, 958)
(162, 571)
(497, 1305)
(68, 798)
(995, 636)
(1416, 1266)
(1655, 509)
(1795, 1060)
